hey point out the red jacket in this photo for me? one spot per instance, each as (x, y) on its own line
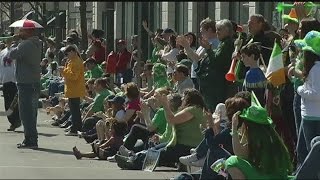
(99, 54)
(123, 61)
(112, 60)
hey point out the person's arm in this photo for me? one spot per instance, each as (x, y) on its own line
(179, 118)
(17, 52)
(107, 144)
(91, 49)
(192, 54)
(127, 116)
(236, 173)
(312, 94)
(145, 26)
(238, 149)
(88, 114)
(149, 94)
(72, 71)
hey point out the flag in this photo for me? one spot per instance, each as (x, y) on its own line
(275, 71)
(254, 100)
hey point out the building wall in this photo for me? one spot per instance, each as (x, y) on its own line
(185, 16)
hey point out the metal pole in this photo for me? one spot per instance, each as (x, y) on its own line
(139, 44)
(57, 25)
(12, 18)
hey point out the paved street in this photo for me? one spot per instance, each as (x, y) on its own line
(54, 159)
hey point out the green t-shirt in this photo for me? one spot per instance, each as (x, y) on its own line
(167, 135)
(249, 171)
(98, 100)
(159, 121)
(154, 57)
(96, 72)
(189, 133)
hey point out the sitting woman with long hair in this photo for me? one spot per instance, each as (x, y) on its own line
(186, 126)
(259, 150)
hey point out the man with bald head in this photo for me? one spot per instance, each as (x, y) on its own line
(27, 54)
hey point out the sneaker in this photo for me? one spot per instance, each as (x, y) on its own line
(187, 160)
(80, 134)
(192, 150)
(111, 158)
(198, 163)
(69, 133)
(67, 129)
(124, 151)
(76, 153)
(27, 146)
(55, 123)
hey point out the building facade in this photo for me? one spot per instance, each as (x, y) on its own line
(121, 20)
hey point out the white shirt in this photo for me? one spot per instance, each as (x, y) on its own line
(120, 115)
(170, 57)
(310, 93)
(7, 67)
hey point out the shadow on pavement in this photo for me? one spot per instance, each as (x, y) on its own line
(166, 170)
(55, 151)
(41, 134)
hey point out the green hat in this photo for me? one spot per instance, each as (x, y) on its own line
(311, 42)
(186, 62)
(256, 113)
(159, 70)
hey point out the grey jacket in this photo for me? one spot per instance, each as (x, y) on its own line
(28, 58)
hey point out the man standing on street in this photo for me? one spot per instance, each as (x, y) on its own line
(28, 56)
(7, 78)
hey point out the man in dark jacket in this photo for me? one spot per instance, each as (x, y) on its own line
(212, 69)
(28, 57)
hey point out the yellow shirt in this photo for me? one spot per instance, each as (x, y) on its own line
(73, 74)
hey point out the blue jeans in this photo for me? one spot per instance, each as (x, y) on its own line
(311, 129)
(301, 148)
(310, 167)
(208, 148)
(28, 109)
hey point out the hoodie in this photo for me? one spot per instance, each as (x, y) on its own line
(28, 58)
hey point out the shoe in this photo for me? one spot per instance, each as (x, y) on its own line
(187, 160)
(69, 133)
(198, 163)
(67, 129)
(14, 127)
(111, 159)
(76, 153)
(124, 151)
(56, 123)
(192, 150)
(11, 128)
(27, 146)
(81, 134)
(65, 124)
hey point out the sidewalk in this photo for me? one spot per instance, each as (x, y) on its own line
(54, 159)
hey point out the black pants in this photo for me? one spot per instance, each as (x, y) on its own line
(90, 123)
(172, 154)
(137, 132)
(74, 104)
(195, 83)
(9, 92)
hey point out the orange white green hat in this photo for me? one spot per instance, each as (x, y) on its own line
(291, 17)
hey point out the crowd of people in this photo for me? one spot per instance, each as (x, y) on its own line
(178, 102)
